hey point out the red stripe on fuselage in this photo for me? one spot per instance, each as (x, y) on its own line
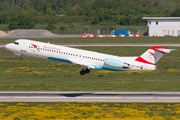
(140, 59)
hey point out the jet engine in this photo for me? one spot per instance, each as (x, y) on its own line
(115, 63)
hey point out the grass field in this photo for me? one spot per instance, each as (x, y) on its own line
(89, 111)
(43, 75)
(105, 40)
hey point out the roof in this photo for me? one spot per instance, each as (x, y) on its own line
(160, 18)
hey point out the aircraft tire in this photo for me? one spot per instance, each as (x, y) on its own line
(82, 72)
(20, 58)
(87, 70)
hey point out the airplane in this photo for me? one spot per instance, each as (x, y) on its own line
(87, 59)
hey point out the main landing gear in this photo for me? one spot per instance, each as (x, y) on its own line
(83, 72)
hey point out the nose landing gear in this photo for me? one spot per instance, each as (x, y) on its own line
(20, 59)
(83, 72)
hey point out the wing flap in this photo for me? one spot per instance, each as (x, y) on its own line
(81, 63)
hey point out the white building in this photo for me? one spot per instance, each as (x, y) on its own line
(161, 26)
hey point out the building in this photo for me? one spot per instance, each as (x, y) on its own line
(163, 26)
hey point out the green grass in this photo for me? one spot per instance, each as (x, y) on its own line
(104, 40)
(53, 80)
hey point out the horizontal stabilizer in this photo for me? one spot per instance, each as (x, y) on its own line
(164, 50)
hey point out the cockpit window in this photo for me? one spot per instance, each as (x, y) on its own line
(16, 43)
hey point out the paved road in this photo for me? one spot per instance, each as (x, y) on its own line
(115, 44)
(54, 36)
(90, 96)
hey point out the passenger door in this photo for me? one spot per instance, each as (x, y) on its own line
(23, 47)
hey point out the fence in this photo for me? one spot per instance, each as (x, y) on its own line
(102, 32)
(79, 32)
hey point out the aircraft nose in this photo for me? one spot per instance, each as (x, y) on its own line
(9, 46)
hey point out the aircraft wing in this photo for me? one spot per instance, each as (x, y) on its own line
(80, 62)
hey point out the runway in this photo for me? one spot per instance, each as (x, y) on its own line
(2, 46)
(145, 97)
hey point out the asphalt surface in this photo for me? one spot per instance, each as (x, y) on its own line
(146, 97)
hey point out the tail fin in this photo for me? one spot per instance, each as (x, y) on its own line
(153, 55)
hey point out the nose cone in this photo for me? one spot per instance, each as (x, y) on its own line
(9, 46)
(6, 46)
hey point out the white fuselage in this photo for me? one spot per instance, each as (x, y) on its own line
(84, 58)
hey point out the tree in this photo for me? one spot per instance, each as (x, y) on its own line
(4, 17)
(61, 11)
(50, 12)
(95, 20)
(63, 27)
(51, 24)
(51, 27)
(76, 6)
(13, 24)
(21, 22)
(71, 12)
(175, 13)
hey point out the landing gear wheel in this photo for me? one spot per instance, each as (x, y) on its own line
(20, 58)
(82, 72)
(87, 70)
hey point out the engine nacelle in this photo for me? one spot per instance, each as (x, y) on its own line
(115, 63)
